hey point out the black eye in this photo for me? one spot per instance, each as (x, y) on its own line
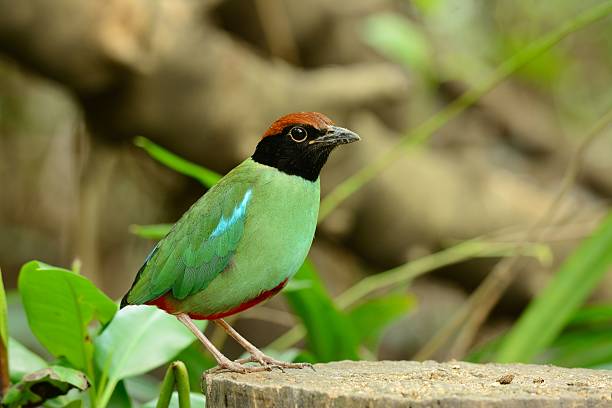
(298, 134)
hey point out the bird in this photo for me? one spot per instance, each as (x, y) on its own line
(241, 242)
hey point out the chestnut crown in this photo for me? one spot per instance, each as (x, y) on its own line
(299, 143)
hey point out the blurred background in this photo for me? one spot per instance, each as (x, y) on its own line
(80, 80)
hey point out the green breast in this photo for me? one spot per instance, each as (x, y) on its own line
(279, 228)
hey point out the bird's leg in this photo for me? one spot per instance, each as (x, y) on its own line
(257, 356)
(223, 362)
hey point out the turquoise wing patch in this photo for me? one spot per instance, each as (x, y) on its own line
(206, 259)
(199, 246)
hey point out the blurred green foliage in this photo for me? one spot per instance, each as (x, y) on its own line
(550, 312)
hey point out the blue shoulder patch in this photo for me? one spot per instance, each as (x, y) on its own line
(237, 215)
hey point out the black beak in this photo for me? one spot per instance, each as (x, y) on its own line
(336, 136)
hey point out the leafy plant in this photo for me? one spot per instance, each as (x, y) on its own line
(154, 338)
(95, 347)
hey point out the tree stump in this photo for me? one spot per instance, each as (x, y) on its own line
(413, 384)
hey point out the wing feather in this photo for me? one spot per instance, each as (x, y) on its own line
(199, 246)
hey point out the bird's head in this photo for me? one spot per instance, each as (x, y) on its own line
(300, 143)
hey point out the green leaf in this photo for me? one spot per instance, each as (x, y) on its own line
(546, 316)
(154, 231)
(372, 316)
(399, 39)
(330, 332)
(44, 384)
(23, 361)
(139, 339)
(60, 305)
(205, 176)
(197, 400)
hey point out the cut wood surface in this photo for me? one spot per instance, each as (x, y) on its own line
(413, 384)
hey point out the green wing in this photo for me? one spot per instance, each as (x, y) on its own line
(199, 246)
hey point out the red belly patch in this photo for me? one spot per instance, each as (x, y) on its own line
(167, 303)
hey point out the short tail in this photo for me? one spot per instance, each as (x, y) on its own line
(124, 300)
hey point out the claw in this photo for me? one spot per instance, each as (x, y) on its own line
(266, 363)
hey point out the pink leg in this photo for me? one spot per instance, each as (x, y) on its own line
(223, 362)
(257, 356)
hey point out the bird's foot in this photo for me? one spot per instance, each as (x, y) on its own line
(237, 366)
(269, 363)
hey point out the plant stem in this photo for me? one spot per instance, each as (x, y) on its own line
(102, 402)
(165, 393)
(175, 374)
(182, 384)
(422, 132)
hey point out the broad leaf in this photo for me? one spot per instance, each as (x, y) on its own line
(139, 339)
(60, 305)
(330, 332)
(22, 361)
(44, 384)
(372, 316)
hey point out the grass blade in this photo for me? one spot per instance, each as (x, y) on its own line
(205, 176)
